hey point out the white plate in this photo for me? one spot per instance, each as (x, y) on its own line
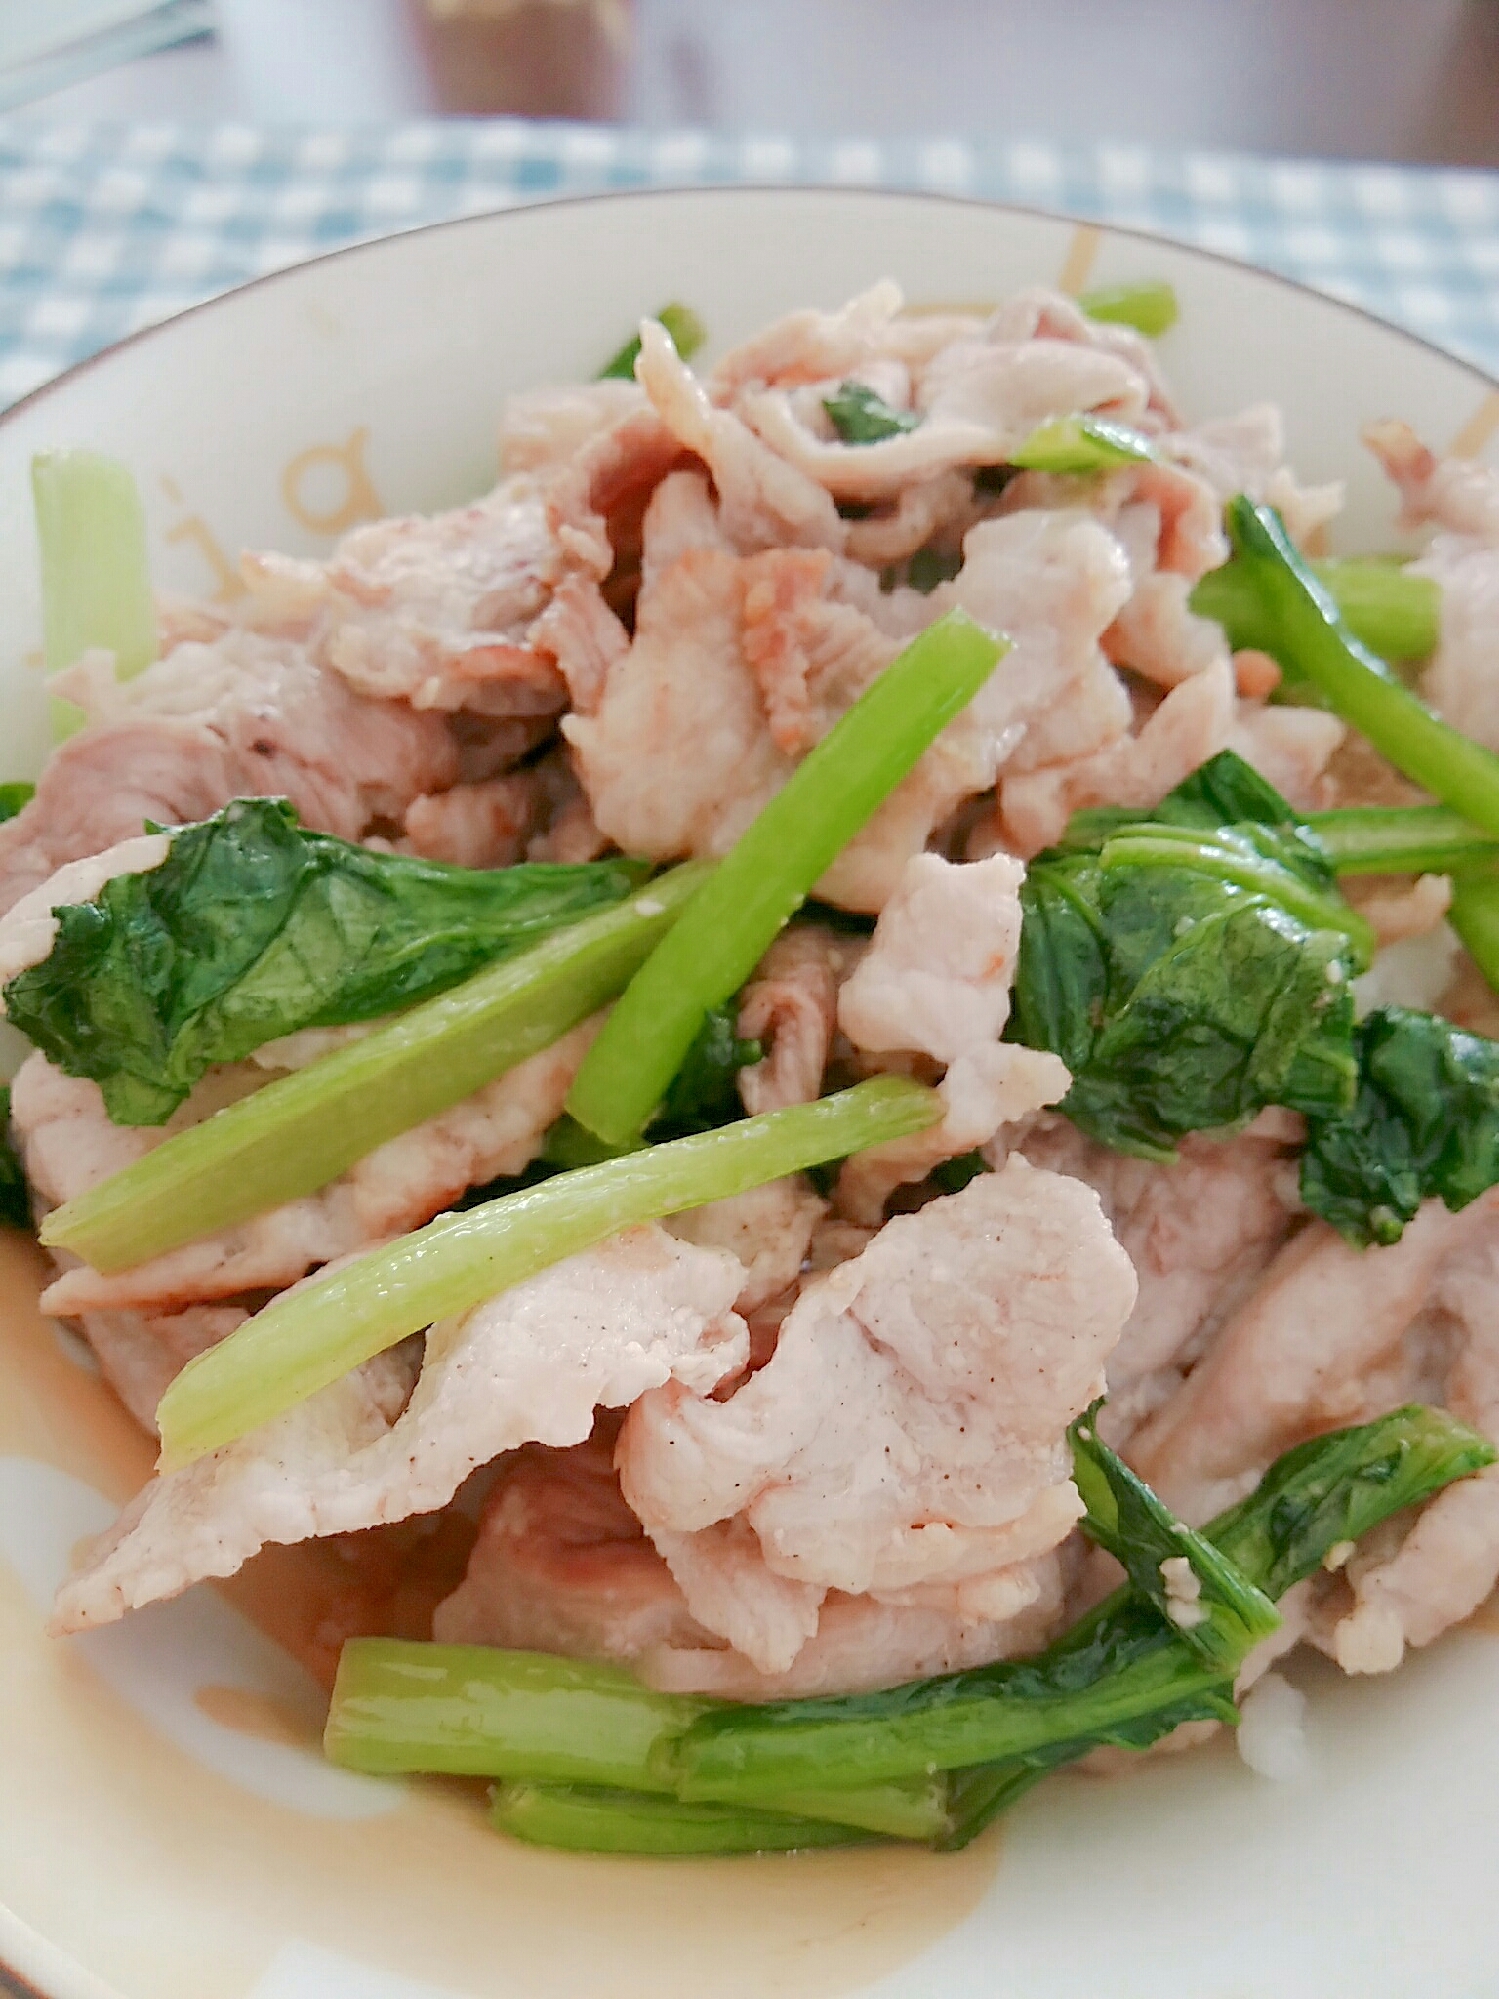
(166, 1831)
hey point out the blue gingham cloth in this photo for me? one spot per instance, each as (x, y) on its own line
(107, 229)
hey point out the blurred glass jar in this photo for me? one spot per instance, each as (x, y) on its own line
(535, 58)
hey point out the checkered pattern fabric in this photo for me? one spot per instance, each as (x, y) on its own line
(104, 230)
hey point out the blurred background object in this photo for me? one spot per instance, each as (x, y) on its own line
(1414, 80)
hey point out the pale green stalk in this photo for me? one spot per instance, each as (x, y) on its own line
(96, 580)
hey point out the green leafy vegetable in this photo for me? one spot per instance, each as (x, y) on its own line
(96, 580)
(470, 1710)
(1425, 1124)
(860, 415)
(15, 798)
(1317, 649)
(1393, 613)
(1190, 969)
(685, 330)
(1149, 306)
(704, 1092)
(930, 566)
(310, 1336)
(772, 868)
(253, 928)
(299, 1132)
(1081, 444)
(15, 1195)
(1123, 1675)
(1221, 1615)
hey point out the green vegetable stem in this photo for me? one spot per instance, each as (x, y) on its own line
(1400, 839)
(96, 581)
(1081, 444)
(577, 1818)
(252, 928)
(307, 1338)
(303, 1130)
(534, 1717)
(725, 930)
(1395, 614)
(1315, 647)
(1149, 305)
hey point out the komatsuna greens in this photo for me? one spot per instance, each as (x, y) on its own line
(253, 928)
(1191, 967)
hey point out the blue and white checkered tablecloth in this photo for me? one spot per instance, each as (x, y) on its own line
(106, 229)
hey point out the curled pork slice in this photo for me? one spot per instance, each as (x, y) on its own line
(1199, 1233)
(1460, 683)
(484, 825)
(764, 500)
(790, 1007)
(810, 345)
(543, 429)
(1323, 1339)
(532, 1365)
(399, 1186)
(140, 1354)
(769, 1229)
(910, 1426)
(1191, 724)
(935, 981)
(244, 716)
(561, 1564)
(434, 609)
(1458, 494)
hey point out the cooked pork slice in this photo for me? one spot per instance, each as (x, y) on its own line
(561, 1564)
(936, 511)
(1038, 313)
(1458, 494)
(936, 976)
(1199, 1234)
(1097, 711)
(245, 716)
(935, 981)
(1399, 908)
(434, 609)
(910, 1427)
(476, 825)
(811, 656)
(863, 1643)
(543, 429)
(678, 757)
(1246, 454)
(141, 1354)
(981, 401)
(768, 1228)
(811, 346)
(764, 500)
(1160, 636)
(28, 929)
(1460, 682)
(682, 514)
(531, 1365)
(1192, 723)
(1427, 1575)
(1320, 1341)
(1292, 747)
(399, 1186)
(790, 1008)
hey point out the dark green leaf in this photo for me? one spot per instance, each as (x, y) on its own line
(1425, 1124)
(15, 1196)
(253, 928)
(1189, 969)
(860, 415)
(13, 797)
(704, 1092)
(930, 566)
(953, 1175)
(1228, 1617)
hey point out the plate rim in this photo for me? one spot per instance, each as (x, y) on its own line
(738, 190)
